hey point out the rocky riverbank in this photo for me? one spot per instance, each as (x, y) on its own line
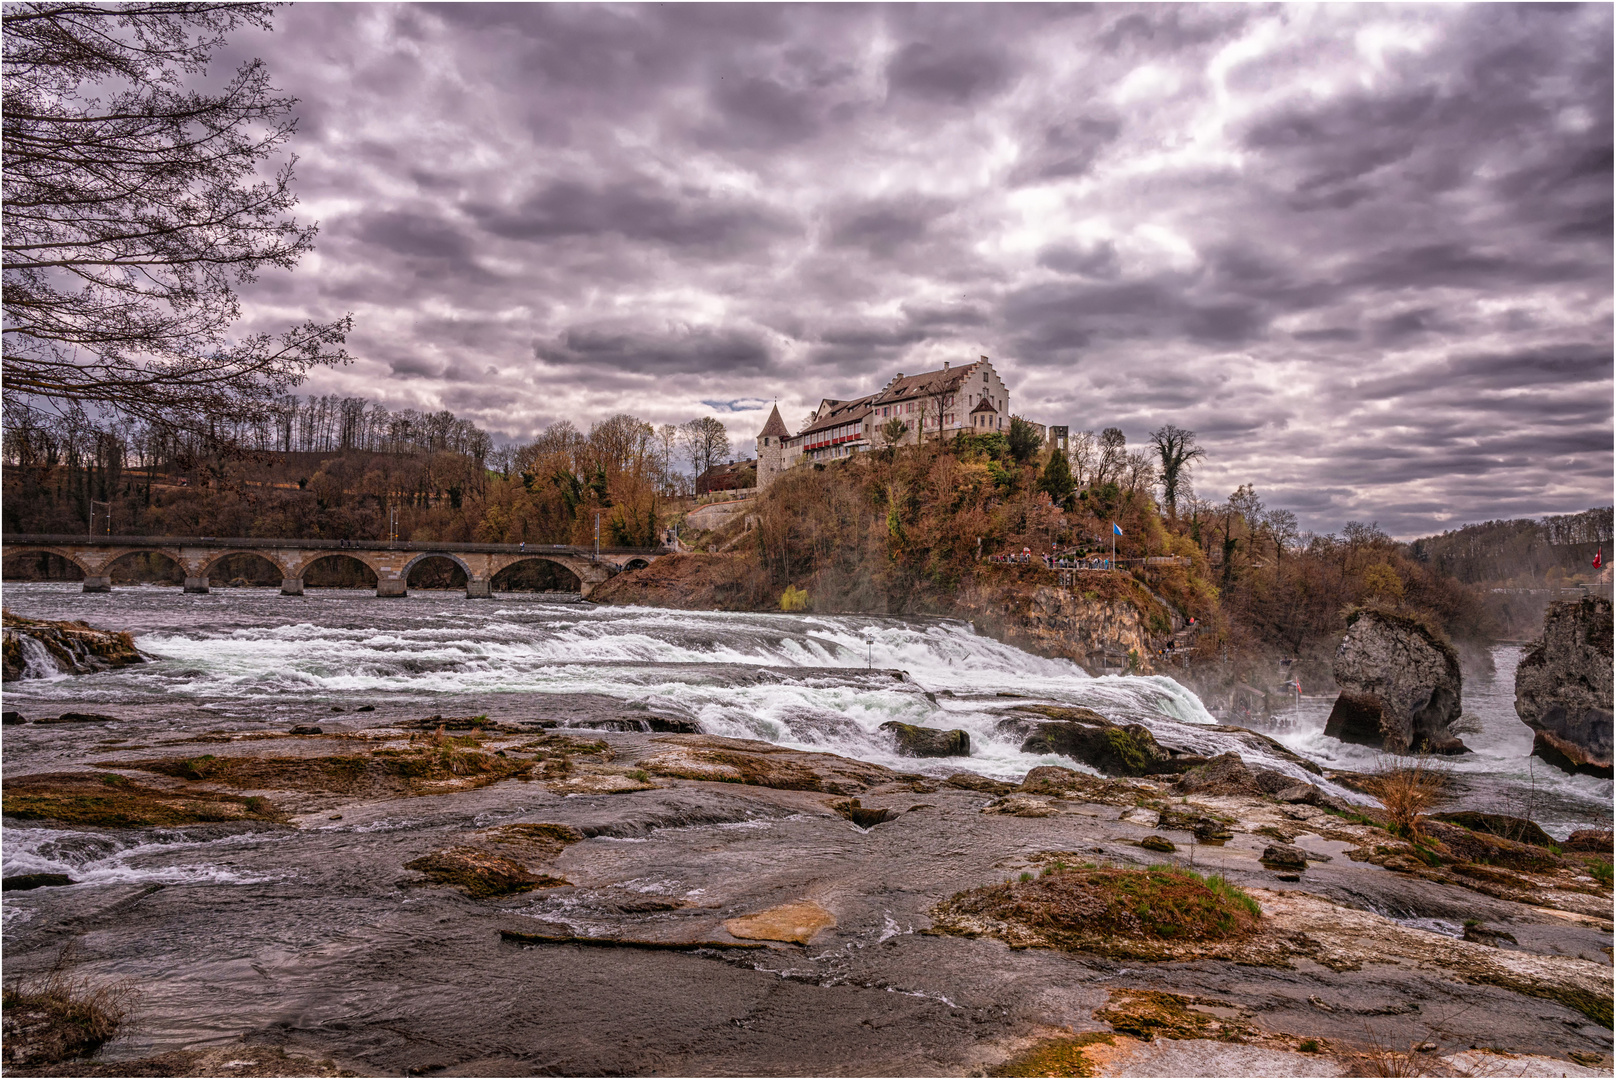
(466, 896)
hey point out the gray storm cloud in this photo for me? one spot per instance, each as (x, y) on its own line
(1365, 251)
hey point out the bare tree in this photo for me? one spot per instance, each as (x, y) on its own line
(705, 443)
(1176, 449)
(1139, 472)
(667, 438)
(1282, 529)
(1083, 451)
(1113, 456)
(132, 207)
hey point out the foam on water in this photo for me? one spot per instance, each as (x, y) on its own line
(798, 680)
(101, 858)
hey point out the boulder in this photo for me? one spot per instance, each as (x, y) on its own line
(1284, 857)
(1157, 842)
(1482, 935)
(1400, 686)
(1205, 827)
(1086, 736)
(1510, 828)
(1595, 840)
(916, 741)
(1563, 687)
(24, 882)
(1225, 774)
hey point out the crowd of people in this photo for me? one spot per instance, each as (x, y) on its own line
(1054, 560)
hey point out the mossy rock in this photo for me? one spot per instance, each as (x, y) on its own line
(1152, 1014)
(1521, 830)
(1158, 843)
(479, 874)
(1113, 749)
(1142, 914)
(114, 801)
(915, 741)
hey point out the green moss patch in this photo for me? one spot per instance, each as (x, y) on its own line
(1151, 1014)
(479, 874)
(1056, 1057)
(379, 772)
(114, 801)
(1146, 914)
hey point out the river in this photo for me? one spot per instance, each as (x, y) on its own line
(264, 928)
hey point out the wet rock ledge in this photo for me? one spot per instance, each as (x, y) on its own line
(70, 647)
(604, 899)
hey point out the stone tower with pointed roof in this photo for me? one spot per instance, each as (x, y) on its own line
(771, 450)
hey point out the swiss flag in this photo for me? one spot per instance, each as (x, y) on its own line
(1599, 558)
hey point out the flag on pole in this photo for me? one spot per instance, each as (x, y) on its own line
(1599, 558)
(1116, 529)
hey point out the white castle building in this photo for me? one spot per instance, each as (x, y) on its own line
(954, 399)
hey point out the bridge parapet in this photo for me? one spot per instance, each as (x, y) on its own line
(391, 562)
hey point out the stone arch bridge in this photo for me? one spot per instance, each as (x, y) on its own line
(391, 562)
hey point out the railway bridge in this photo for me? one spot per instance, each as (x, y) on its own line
(390, 561)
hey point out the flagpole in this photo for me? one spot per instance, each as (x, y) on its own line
(1113, 547)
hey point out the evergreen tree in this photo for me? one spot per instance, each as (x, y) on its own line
(1056, 480)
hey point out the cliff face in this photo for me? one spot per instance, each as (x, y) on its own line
(1563, 687)
(70, 647)
(1093, 631)
(1105, 622)
(693, 582)
(1400, 686)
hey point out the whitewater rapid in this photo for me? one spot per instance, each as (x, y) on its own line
(241, 658)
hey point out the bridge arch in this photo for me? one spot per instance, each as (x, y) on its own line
(177, 575)
(428, 555)
(214, 563)
(559, 573)
(339, 558)
(422, 556)
(66, 556)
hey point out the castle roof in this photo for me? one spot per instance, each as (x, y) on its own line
(840, 412)
(941, 381)
(775, 426)
(984, 406)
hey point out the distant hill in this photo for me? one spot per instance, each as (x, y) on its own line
(1523, 551)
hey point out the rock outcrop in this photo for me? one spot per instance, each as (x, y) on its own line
(41, 647)
(916, 741)
(1400, 686)
(1106, 622)
(1086, 736)
(1563, 687)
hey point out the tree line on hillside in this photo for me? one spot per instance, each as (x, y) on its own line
(346, 468)
(1522, 553)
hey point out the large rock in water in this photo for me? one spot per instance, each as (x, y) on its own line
(70, 647)
(915, 741)
(1084, 735)
(1400, 686)
(1563, 687)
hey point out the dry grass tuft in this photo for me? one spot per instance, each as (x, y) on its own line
(1408, 788)
(58, 1018)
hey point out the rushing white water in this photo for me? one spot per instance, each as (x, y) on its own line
(810, 681)
(101, 858)
(37, 662)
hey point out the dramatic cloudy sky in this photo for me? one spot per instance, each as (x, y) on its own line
(1364, 252)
